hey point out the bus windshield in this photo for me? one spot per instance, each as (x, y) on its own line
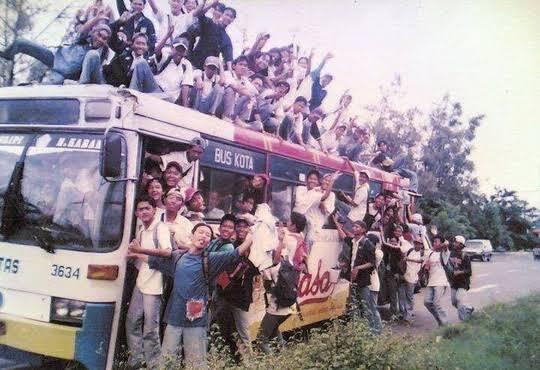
(52, 196)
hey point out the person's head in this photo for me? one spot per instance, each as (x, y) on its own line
(100, 36)
(379, 200)
(213, 199)
(345, 100)
(285, 55)
(228, 16)
(418, 242)
(302, 66)
(398, 231)
(174, 200)
(194, 200)
(137, 6)
(180, 48)
(359, 228)
(438, 242)
(363, 177)
(374, 239)
(417, 219)
(190, 5)
(217, 11)
(176, 6)
(139, 43)
(196, 150)
(382, 146)
(145, 209)
(313, 179)
(211, 66)
(340, 131)
(154, 189)
(300, 104)
(297, 223)
(247, 204)
(257, 81)
(242, 229)
(226, 226)
(359, 134)
(275, 56)
(393, 240)
(315, 115)
(262, 60)
(326, 79)
(459, 242)
(283, 88)
(259, 181)
(201, 235)
(326, 181)
(173, 174)
(240, 65)
(151, 168)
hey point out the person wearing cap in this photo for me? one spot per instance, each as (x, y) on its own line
(79, 61)
(460, 279)
(361, 194)
(416, 226)
(195, 205)
(207, 92)
(414, 257)
(186, 159)
(129, 63)
(318, 91)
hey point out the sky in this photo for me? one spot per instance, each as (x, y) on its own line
(484, 53)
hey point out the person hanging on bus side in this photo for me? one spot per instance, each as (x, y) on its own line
(291, 247)
(317, 214)
(247, 205)
(155, 190)
(306, 196)
(376, 277)
(186, 159)
(414, 257)
(375, 210)
(129, 24)
(80, 61)
(172, 176)
(142, 320)
(361, 195)
(194, 272)
(195, 205)
(460, 279)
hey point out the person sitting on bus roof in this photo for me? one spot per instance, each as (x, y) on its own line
(194, 31)
(79, 61)
(292, 125)
(383, 161)
(176, 18)
(291, 247)
(122, 67)
(238, 88)
(155, 190)
(142, 320)
(195, 205)
(186, 159)
(194, 274)
(172, 176)
(270, 107)
(213, 211)
(129, 24)
(318, 92)
(331, 139)
(311, 134)
(246, 111)
(207, 92)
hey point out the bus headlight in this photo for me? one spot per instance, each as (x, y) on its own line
(67, 311)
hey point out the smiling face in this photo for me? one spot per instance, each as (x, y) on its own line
(379, 201)
(155, 190)
(190, 5)
(100, 38)
(139, 46)
(358, 230)
(173, 203)
(312, 181)
(326, 181)
(201, 237)
(241, 229)
(258, 182)
(196, 204)
(226, 229)
(137, 6)
(241, 67)
(172, 176)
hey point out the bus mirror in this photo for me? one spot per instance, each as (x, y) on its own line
(111, 155)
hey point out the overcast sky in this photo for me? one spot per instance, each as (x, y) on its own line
(484, 53)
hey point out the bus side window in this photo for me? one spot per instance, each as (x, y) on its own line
(220, 190)
(281, 199)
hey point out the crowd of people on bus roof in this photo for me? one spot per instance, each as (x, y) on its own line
(190, 276)
(186, 56)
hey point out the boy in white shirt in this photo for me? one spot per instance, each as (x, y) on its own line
(438, 281)
(414, 259)
(142, 320)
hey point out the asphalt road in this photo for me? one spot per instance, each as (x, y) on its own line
(507, 277)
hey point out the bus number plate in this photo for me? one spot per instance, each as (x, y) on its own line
(66, 272)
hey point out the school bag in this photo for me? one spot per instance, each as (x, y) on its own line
(286, 290)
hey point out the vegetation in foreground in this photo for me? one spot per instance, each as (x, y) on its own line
(504, 336)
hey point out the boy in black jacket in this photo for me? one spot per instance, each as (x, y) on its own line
(460, 281)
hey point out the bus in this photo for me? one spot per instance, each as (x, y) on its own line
(70, 162)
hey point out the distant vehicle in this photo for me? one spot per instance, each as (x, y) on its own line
(536, 253)
(479, 248)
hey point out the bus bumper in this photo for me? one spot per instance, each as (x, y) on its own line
(88, 344)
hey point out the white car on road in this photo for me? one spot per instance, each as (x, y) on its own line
(478, 248)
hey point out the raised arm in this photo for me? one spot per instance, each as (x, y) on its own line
(121, 6)
(153, 6)
(87, 27)
(204, 7)
(342, 234)
(316, 74)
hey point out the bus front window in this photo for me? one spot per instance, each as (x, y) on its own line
(60, 199)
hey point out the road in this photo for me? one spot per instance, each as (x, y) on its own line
(507, 277)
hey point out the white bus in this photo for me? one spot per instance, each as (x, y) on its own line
(70, 162)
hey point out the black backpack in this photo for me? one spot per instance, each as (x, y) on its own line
(285, 290)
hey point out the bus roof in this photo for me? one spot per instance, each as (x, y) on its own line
(164, 115)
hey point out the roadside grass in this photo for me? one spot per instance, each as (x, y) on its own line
(503, 336)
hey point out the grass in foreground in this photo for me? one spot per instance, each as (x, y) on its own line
(504, 336)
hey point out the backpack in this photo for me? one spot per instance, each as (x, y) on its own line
(157, 69)
(286, 290)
